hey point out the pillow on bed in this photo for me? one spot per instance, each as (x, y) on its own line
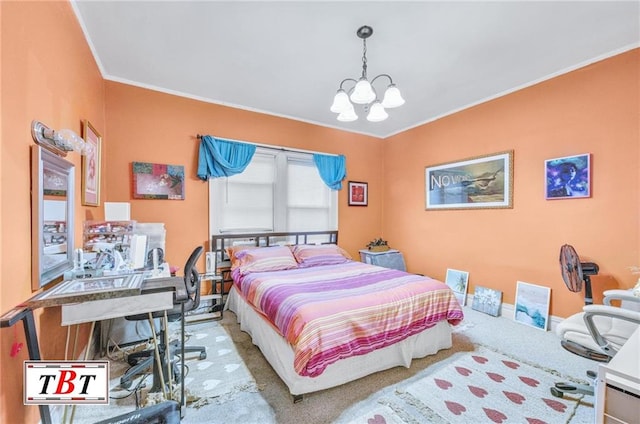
(323, 254)
(275, 258)
(231, 253)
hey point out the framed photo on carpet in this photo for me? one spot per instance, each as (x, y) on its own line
(458, 281)
(532, 305)
(487, 300)
(568, 177)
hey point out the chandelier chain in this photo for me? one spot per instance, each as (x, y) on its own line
(364, 58)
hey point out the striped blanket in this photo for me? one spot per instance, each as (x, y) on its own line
(333, 312)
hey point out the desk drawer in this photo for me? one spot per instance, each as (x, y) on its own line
(97, 310)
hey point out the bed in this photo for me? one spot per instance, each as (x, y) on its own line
(322, 319)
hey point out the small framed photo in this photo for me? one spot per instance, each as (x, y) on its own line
(532, 305)
(568, 177)
(458, 281)
(91, 165)
(358, 193)
(487, 300)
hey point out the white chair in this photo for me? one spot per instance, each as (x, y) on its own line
(597, 333)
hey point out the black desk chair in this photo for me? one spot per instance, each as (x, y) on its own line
(141, 361)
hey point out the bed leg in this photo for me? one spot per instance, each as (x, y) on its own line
(297, 398)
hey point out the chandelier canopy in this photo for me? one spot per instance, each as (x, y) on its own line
(363, 92)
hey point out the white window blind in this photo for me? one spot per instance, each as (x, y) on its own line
(278, 191)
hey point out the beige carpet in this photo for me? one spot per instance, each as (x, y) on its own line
(270, 402)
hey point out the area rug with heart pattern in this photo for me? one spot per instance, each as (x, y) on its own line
(483, 386)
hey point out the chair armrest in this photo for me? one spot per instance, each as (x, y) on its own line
(618, 294)
(591, 311)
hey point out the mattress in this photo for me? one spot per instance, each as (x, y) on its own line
(280, 354)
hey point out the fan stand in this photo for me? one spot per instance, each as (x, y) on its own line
(586, 270)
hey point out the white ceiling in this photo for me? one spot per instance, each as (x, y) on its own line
(287, 58)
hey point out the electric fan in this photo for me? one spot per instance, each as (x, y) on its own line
(575, 272)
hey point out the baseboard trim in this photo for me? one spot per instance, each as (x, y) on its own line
(507, 310)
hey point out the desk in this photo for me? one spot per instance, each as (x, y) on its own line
(169, 288)
(618, 388)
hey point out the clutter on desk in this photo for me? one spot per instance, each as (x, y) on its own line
(119, 246)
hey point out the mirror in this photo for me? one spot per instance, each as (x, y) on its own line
(52, 206)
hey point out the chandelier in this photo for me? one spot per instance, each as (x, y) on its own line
(364, 93)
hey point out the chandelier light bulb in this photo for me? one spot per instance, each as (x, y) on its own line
(377, 113)
(340, 102)
(348, 115)
(363, 92)
(392, 97)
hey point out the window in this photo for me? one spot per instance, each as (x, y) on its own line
(278, 191)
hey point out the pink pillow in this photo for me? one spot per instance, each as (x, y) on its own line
(275, 258)
(309, 255)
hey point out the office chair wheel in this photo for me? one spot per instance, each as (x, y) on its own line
(203, 355)
(556, 393)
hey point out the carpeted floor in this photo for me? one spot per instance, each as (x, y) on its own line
(252, 392)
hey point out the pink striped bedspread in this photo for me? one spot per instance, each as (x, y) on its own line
(332, 312)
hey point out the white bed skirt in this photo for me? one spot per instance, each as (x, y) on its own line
(279, 353)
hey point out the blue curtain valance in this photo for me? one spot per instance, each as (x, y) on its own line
(222, 158)
(332, 169)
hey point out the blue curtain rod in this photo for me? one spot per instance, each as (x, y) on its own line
(268, 146)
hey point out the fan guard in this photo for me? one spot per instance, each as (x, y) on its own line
(575, 272)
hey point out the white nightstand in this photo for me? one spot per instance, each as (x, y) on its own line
(391, 258)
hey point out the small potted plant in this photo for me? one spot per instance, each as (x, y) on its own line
(378, 245)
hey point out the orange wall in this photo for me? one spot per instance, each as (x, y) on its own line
(148, 126)
(49, 74)
(592, 110)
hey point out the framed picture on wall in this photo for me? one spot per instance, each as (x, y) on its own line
(481, 182)
(91, 165)
(568, 177)
(358, 193)
(158, 181)
(532, 305)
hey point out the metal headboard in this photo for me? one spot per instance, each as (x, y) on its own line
(220, 242)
